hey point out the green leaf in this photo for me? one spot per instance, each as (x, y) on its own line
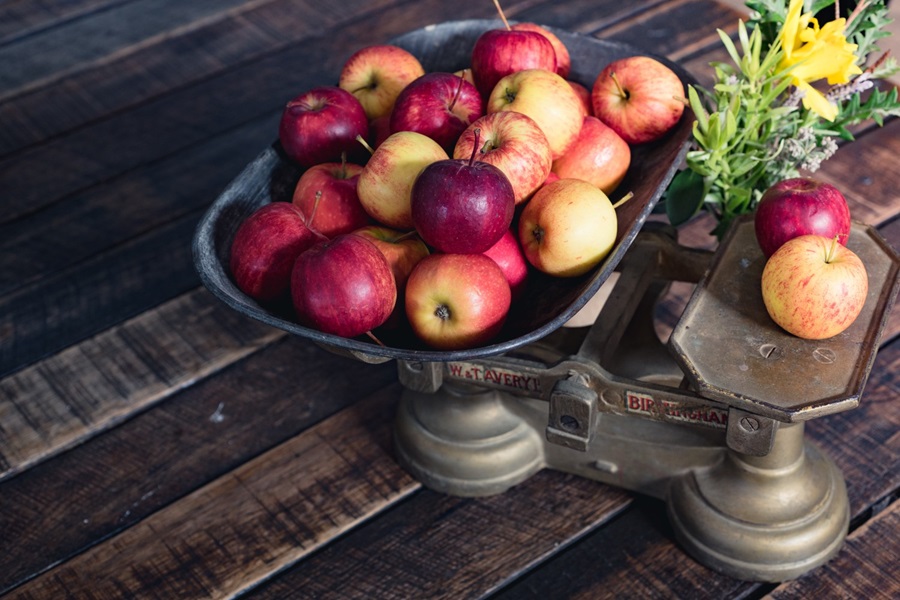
(684, 197)
(729, 45)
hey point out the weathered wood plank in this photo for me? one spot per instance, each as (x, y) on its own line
(58, 402)
(866, 567)
(133, 76)
(677, 30)
(40, 58)
(19, 18)
(438, 546)
(290, 499)
(70, 502)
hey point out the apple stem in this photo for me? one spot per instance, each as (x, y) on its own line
(829, 256)
(502, 16)
(375, 339)
(624, 199)
(477, 133)
(619, 87)
(362, 141)
(457, 94)
(315, 208)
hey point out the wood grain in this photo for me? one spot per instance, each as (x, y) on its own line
(58, 402)
(20, 18)
(250, 523)
(113, 481)
(866, 567)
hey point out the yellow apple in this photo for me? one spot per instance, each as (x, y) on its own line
(545, 97)
(567, 228)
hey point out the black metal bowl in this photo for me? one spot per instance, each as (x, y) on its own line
(547, 302)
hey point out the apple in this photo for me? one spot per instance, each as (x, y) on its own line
(465, 74)
(264, 249)
(439, 105)
(377, 74)
(800, 206)
(513, 143)
(402, 249)
(509, 257)
(551, 177)
(462, 205)
(639, 97)
(321, 124)
(387, 178)
(813, 287)
(501, 52)
(379, 129)
(457, 301)
(598, 155)
(567, 228)
(343, 286)
(326, 194)
(545, 97)
(563, 59)
(584, 95)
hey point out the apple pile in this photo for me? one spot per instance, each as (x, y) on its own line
(813, 286)
(428, 197)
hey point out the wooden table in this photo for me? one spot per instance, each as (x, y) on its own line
(154, 443)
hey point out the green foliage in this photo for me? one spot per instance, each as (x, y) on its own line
(751, 130)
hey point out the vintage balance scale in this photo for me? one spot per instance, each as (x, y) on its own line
(711, 422)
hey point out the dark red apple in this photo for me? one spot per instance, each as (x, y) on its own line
(321, 124)
(509, 257)
(800, 206)
(265, 247)
(462, 206)
(501, 52)
(343, 286)
(337, 209)
(439, 105)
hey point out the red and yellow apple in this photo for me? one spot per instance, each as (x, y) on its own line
(813, 287)
(377, 74)
(513, 143)
(386, 180)
(598, 156)
(639, 97)
(326, 194)
(545, 97)
(567, 228)
(457, 301)
(563, 59)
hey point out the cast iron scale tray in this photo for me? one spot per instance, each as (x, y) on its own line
(547, 302)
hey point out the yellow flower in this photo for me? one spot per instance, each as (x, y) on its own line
(816, 54)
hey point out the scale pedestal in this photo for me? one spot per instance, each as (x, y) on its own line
(712, 423)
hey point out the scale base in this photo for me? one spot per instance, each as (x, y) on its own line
(769, 518)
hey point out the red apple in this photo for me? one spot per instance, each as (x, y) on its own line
(513, 143)
(343, 286)
(509, 257)
(386, 180)
(338, 209)
(265, 247)
(598, 156)
(379, 130)
(800, 206)
(639, 97)
(813, 287)
(563, 59)
(321, 124)
(545, 97)
(377, 74)
(439, 105)
(567, 228)
(501, 52)
(402, 249)
(457, 301)
(584, 95)
(462, 205)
